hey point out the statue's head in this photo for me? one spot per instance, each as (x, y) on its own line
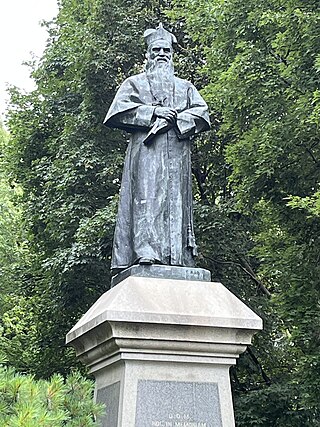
(159, 41)
(159, 51)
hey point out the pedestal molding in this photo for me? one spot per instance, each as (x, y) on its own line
(154, 334)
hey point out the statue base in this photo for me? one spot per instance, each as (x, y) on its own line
(160, 350)
(163, 272)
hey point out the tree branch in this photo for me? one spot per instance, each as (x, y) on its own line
(200, 178)
(249, 273)
(265, 377)
(309, 151)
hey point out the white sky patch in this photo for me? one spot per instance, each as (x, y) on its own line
(21, 37)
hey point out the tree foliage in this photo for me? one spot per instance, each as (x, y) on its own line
(256, 181)
(262, 66)
(69, 166)
(12, 239)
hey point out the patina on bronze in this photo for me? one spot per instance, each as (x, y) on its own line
(162, 113)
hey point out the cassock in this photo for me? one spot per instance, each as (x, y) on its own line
(155, 210)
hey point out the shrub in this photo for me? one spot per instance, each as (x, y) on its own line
(27, 402)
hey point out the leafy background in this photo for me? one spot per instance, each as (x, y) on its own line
(256, 183)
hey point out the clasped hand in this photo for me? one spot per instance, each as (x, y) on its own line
(166, 113)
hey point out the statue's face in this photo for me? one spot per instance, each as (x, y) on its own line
(160, 51)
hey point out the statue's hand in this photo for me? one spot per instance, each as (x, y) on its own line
(166, 113)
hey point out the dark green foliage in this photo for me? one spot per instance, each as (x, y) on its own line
(262, 68)
(256, 182)
(69, 166)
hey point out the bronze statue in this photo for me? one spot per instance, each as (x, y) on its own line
(162, 113)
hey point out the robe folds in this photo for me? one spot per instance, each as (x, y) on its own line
(155, 209)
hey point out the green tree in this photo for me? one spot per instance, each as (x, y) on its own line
(69, 166)
(11, 236)
(262, 69)
(255, 181)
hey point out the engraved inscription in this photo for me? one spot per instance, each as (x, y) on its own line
(179, 420)
(177, 404)
(194, 274)
(177, 424)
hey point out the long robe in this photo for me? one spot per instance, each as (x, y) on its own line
(155, 210)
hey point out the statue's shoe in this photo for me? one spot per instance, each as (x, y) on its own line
(146, 261)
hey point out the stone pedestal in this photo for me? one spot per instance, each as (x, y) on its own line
(160, 350)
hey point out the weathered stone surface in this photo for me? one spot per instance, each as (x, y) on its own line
(110, 397)
(177, 302)
(183, 404)
(163, 272)
(166, 332)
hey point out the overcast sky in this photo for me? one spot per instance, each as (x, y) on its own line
(21, 34)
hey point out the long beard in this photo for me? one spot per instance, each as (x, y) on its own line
(161, 80)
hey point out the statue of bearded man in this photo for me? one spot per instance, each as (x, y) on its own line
(162, 113)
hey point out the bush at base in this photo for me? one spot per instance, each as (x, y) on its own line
(26, 402)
